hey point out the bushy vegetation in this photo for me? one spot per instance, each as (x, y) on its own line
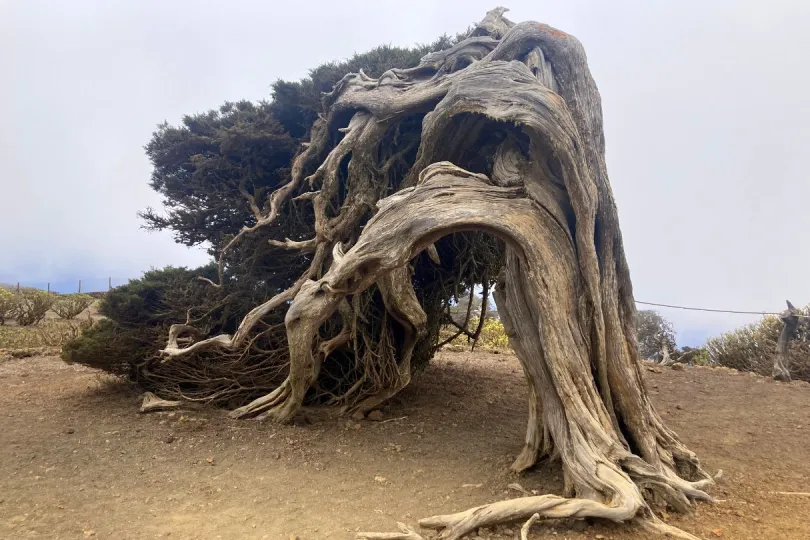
(752, 347)
(492, 336)
(27, 308)
(70, 305)
(49, 334)
(137, 317)
(8, 305)
(698, 356)
(31, 306)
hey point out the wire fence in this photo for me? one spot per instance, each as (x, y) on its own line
(104, 284)
(710, 310)
(68, 286)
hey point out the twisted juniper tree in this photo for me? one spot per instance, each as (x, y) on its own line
(489, 152)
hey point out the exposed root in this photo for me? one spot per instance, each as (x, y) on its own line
(455, 526)
(276, 405)
(406, 533)
(153, 403)
(655, 525)
(524, 531)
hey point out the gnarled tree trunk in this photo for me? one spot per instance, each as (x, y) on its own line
(511, 144)
(781, 361)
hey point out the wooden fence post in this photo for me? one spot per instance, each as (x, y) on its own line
(781, 361)
(80, 286)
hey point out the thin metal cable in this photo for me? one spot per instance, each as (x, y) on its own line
(716, 310)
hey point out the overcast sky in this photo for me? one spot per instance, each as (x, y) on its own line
(706, 118)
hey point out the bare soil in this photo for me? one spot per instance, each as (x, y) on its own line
(79, 461)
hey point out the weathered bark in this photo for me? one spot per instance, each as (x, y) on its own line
(540, 305)
(781, 361)
(666, 359)
(406, 533)
(153, 403)
(512, 145)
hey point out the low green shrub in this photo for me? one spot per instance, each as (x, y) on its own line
(8, 305)
(753, 347)
(50, 333)
(31, 306)
(137, 317)
(493, 335)
(70, 305)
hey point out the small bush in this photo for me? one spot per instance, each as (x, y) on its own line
(105, 346)
(753, 347)
(689, 355)
(493, 335)
(50, 333)
(8, 305)
(70, 305)
(31, 306)
(138, 316)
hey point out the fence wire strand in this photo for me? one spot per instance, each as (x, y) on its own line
(716, 310)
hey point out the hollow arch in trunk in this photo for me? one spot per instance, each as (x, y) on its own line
(613, 464)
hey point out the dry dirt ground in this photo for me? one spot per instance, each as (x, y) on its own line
(78, 461)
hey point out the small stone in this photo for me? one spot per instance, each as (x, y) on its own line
(717, 532)
(678, 367)
(380, 479)
(169, 439)
(375, 416)
(508, 532)
(358, 415)
(88, 533)
(579, 525)
(600, 537)
(678, 407)
(210, 460)
(70, 431)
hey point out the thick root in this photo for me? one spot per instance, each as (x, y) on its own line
(153, 403)
(655, 525)
(538, 444)
(277, 405)
(455, 526)
(626, 503)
